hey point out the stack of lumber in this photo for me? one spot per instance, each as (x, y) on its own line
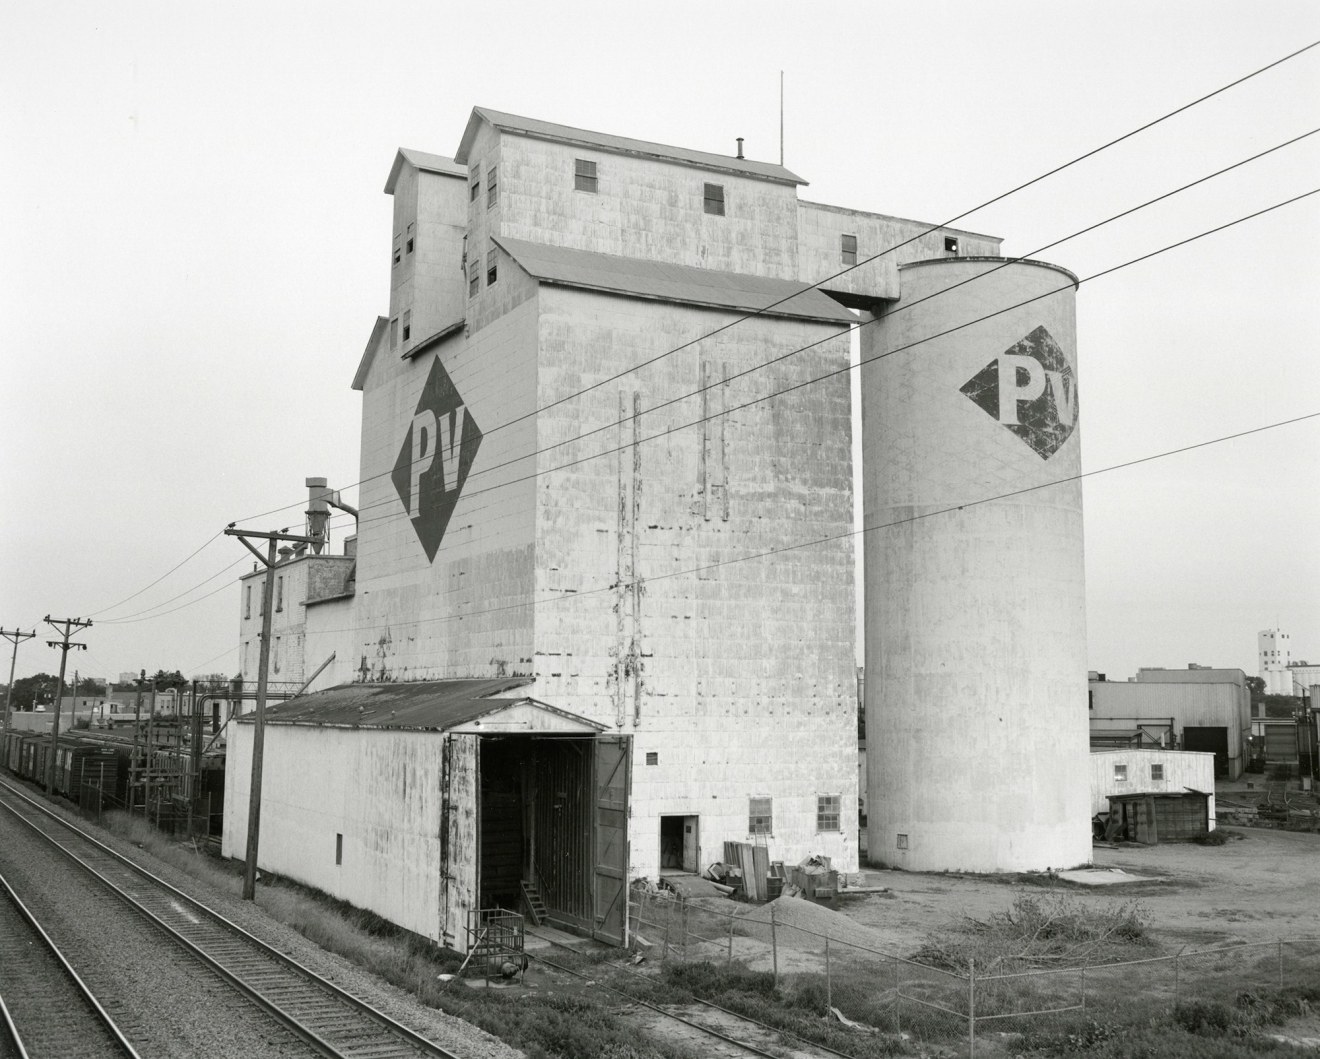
(754, 863)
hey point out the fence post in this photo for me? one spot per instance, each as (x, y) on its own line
(730, 959)
(669, 914)
(898, 995)
(971, 1008)
(1280, 963)
(1083, 989)
(683, 927)
(774, 944)
(1175, 976)
(829, 993)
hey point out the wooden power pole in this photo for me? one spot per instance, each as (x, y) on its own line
(259, 720)
(15, 636)
(70, 626)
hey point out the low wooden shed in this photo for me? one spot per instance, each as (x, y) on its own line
(1153, 817)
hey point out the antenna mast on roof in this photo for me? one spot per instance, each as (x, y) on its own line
(781, 117)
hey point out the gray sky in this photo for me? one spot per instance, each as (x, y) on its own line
(195, 243)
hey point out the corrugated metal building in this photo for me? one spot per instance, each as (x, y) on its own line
(588, 470)
(1157, 710)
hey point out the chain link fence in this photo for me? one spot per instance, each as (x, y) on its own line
(880, 989)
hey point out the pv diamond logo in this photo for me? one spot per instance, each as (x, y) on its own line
(438, 450)
(1031, 389)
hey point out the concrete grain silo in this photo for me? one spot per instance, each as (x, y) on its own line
(975, 606)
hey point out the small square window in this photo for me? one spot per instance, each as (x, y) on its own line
(474, 191)
(714, 199)
(1120, 773)
(410, 246)
(652, 757)
(1157, 772)
(407, 324)
(394, 333)
(850, 249)
(474, 278)
(950, 244)
(491, 264)
(279, 594)
(492, 188)
(584, 175)
(339, 849)
(827, 812)
(760, 819)
(902, 841)
(397, 256)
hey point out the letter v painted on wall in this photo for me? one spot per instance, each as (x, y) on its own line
(439, 446)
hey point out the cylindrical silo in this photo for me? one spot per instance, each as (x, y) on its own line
(976, 711)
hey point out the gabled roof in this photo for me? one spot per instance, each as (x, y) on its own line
(431, 705)
(364, 365)
(684, 284)
(600, 141)
(428, 163)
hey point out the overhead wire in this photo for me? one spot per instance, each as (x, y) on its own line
(934, 228)
(470, 493)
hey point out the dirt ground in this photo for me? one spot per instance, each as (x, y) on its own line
(1260, 885)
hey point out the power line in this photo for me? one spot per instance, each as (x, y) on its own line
(468, 495)
(889, 315)
(688, 572)
(176, 566)
(129, 619)
(960, 216)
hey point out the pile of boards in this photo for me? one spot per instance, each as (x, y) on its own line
(753, 863)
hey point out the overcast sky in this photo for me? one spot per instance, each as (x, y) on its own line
(195, 243)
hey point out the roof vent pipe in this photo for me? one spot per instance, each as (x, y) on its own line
(318, 512)
(740, 141)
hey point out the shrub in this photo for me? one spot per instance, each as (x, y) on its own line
(1210, 838)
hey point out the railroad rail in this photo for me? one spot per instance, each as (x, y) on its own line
(45, 1006)
(333, 1022)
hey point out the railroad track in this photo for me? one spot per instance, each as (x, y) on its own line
(331, 1021)
(45, 1007)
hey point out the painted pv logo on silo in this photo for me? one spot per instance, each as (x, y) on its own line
(438, 449)
(1031, 389)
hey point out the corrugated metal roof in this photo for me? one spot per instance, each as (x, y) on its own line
(548, 130)
(676, 283)
(432, 705)
(437, 704)
(429, 163)
(368, 354)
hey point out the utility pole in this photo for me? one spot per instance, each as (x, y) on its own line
(259, 721)
(15, 636)
(71, 626)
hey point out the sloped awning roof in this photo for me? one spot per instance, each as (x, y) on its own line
(472, 706)
(426, 162)
(683, 284)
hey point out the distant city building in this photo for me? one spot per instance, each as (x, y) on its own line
(1274, 653)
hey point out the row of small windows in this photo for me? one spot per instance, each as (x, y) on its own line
(407, 328)
(407, 247)
(587, 178)
(492, 187)
(474, 272)
(1121, 773)
(761, 821)
(261, 600)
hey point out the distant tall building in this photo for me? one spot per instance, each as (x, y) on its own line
(1274, 653)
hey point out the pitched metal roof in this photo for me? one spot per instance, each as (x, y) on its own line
(685, 284)
(547, 130)
(374, 342)
(428, 163)
(432, 705)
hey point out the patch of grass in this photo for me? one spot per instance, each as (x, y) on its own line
(1211, 838)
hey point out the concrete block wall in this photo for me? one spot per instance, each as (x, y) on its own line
(643, 208)
(821, 229)
(747, 683)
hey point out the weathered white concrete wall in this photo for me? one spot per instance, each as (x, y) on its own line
(975, 608)
(1200, 705)
(820, 247)
(380, 790)
(1182, 771)
(644, 208)
(739, 678)
(431, 209)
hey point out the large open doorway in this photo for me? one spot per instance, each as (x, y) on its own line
(552, 830)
